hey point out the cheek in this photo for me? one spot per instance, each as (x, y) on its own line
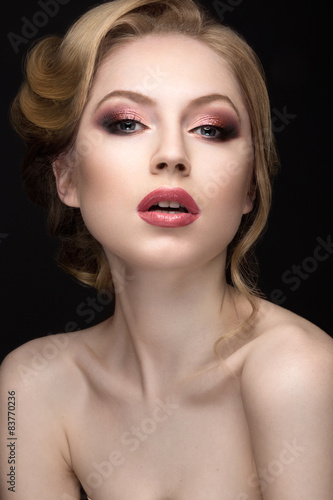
(223, 196)
(102, 172)
(226, 182)
(102, 189)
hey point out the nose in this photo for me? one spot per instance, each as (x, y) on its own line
(170, 155)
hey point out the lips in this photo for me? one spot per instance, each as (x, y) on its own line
(168, 207)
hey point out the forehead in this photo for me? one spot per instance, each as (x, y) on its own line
(176, 64)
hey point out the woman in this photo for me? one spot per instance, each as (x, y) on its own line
(149, 141)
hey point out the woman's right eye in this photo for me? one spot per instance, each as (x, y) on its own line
(122, 127)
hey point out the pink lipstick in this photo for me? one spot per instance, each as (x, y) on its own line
(168, 207)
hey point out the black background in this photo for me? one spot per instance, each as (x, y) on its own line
(291, 40)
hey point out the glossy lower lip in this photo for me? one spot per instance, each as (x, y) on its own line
(165, 219)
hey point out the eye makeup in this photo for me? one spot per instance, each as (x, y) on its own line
(217, 126)
(120, 121)
(214, 125)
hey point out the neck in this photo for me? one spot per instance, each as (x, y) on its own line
(166, 322)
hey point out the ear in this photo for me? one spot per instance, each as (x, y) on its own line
(66, 183)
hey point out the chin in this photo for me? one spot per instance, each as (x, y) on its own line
(167, 257)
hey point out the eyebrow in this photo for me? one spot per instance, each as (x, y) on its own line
(129, 94)
(143, 99)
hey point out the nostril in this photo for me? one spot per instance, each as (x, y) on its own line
(179, 166)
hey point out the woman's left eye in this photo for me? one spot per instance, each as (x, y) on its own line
(214, 132)
(122, 127)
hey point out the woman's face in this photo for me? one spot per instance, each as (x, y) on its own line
(164, 112)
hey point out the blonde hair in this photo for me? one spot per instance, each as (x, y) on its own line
(48, 107)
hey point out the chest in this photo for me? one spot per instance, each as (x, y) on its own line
(169, 450)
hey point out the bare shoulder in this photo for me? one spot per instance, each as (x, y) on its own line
(40, 373)
(287, 392)
(36, 362)
(285, 341)
(55, 365)
(39, 377)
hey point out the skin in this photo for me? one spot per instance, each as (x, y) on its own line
(138, 406)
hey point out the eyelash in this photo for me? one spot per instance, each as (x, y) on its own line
(228, 132)
(110, 122)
